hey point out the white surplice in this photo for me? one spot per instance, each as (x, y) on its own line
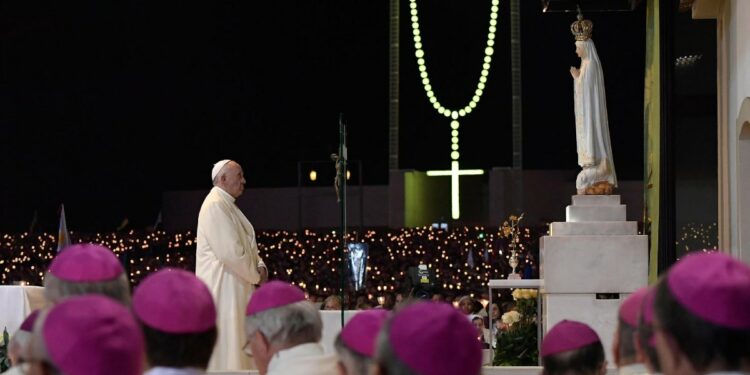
(305, 359)
(227, 261)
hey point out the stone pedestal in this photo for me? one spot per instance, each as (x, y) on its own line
(591, 263)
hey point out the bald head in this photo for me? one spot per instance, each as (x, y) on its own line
(231, 179)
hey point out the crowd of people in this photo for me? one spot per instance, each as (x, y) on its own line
(694, 320)
(254, 301)
(309, 259)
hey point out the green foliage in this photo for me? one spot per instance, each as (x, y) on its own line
(4, 360)
(518, 345)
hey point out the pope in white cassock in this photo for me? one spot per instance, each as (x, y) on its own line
(227, 261)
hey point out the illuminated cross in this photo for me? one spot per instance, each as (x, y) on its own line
(489, 50)
(454, 172)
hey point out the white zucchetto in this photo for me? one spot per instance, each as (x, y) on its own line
(217, 168)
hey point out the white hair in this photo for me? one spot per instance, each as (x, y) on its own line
(56, 289)
(289, 325)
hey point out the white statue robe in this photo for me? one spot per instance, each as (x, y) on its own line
(227, 261)
(305, 359)
(592, 126)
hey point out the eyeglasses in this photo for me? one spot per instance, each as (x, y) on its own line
(247, 349)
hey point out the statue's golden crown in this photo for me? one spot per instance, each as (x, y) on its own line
(582, 29)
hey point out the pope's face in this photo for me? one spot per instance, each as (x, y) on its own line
(233, 180)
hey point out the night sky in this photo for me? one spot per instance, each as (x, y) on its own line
(104, 105)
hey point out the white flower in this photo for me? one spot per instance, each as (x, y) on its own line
(524, 294)
(511, 317)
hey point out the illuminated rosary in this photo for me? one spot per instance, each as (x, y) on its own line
(454, 115)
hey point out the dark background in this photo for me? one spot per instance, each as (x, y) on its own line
(106, 104)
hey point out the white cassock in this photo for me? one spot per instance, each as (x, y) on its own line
(592, 124)
(227, 261)
(305, 359)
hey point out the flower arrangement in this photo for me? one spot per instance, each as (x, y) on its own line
(517, 344)
(511, 230)
(524, 294)
(510, 318)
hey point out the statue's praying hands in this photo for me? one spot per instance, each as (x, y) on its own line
(574, 72)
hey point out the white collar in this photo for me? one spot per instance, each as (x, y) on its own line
(312, 349)
(633, 369)
(158, 370)
(224, 194)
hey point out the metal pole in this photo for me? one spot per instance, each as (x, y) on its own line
(342, 208)
(539, 324)
(393, 92)
(667, 252)
(361, 200)
(515, 63)
(299, 196)
(492, 350)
